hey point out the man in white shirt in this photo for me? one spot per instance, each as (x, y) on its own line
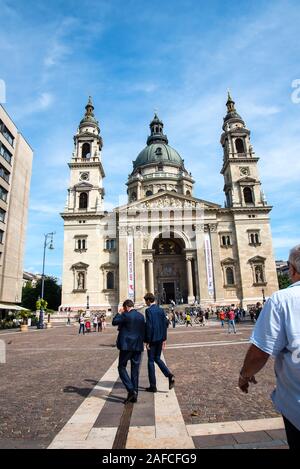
(277, 333)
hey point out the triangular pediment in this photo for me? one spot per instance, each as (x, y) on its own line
(257, 259)
(169, 199)
(80, 265)
(228, 260)
(83, 185)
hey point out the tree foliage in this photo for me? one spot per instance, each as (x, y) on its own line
(52, 294)
(284, 281)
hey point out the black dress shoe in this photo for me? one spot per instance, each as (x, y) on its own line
(171, 381)
(132, 397)
(151, 389)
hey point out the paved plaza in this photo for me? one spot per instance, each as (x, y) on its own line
(61, 390)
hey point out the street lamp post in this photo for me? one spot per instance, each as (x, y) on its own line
(47, 242)
(87, 302)
(263, 295)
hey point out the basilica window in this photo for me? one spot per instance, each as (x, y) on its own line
(229, 276)
(133, 196)
(148, 193)
(228, 267)
(86, 150)
(110, 244)
(81, 280)
(110, 281)
(225, 239)
(239, 145)
(188, 193)
(254, 237)
(80, 243)
(248, 195)
(83, 200)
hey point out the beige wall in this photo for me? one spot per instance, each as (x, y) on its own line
(17, 211)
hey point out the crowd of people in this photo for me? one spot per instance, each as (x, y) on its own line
(96, 320)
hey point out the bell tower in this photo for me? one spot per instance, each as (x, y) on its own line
(240, 171)
(86, 192)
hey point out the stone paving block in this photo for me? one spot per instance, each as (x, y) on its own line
(261, 424)
(277, 434)
(251, 437)
(209, 441)
(213, 428)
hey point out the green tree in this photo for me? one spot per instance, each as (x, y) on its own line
(52, 294)
(284, 281)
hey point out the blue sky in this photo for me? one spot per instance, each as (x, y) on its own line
(179, 57)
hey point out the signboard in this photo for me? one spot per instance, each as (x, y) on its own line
(130, 267)
(209, 266)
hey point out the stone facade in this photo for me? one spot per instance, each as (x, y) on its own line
(164, 240)
(15, 171)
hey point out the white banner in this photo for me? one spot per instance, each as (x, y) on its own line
(209, 266)
(130, 268)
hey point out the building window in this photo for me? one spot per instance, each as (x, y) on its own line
(110, 244)
(239, 145)
(226, 240)
(229, 276)
(6, 133)
(148, 193)
(2, 215)
(258, 270)
(83, 200)
(248, 195)
(5, 153)
(110, 281)
(1, 236)
(3, 194)
(133, 196)
(4, 173)
(86, 150)
(81, 244)
(188, 193)
(254, 238)
(259, 274)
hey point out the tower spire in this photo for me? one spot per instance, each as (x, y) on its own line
(89, 116)
(157, 135)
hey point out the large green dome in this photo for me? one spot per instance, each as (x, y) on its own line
(157, 149)
(156, 153)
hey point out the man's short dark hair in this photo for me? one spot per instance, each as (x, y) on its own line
(149, 297)
(128, 304)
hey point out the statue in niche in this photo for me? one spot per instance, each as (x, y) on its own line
(258, 274)
(80, 281)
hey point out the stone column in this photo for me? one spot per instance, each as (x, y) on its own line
(150, 276)
(191, 297)
(138, 267)
(201, 264)
(123, 275)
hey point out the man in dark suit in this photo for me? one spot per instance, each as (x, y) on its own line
(130, 342)
(155, 338)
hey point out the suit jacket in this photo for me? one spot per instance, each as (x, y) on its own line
(156, 324)
(131, 326)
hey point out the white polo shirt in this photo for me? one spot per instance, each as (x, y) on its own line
(277, 332)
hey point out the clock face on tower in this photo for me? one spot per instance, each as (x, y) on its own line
(84, 176)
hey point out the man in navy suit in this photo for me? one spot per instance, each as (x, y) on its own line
(155, 338)
(130, 342)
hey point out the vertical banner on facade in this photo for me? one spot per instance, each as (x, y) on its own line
(130, 267)
(209, 266)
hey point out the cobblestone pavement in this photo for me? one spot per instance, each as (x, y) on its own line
(48, 374)
(206, 376)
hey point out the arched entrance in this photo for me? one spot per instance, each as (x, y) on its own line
(170, 277)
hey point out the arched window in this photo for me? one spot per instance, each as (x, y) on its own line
(133, 196)
(252, 238)
(256, 238)
(81, 281)
(224, 240)
(79, 244)
(148, 193)
(228, 240)
(83, 200)
(188, 193)
(83, 244)
(229, 276)
(86, 150)
(110, 281)
(248, 195)
(239, 145)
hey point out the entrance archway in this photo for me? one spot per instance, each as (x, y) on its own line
(170, 276)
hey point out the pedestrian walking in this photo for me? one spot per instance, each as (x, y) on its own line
(81, 324)
(277, 333)
(69, 319)
(222, 317)
(231, 324)
(130, 342)
(95, 323)
(188, 321)
(155, 338)
(99, 323)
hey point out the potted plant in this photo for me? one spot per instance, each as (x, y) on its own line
(24, 315)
